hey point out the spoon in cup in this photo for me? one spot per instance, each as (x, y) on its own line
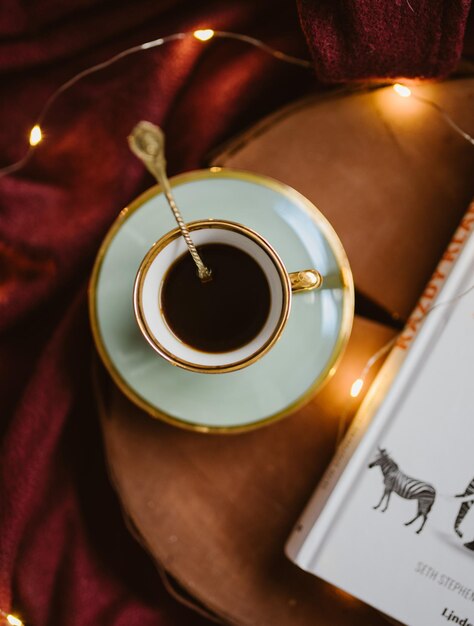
(147, 142)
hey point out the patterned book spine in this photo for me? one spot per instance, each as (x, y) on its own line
(440, 274)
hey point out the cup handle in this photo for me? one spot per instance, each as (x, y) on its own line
(305, 280)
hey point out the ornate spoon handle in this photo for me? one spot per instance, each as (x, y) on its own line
(147, 142)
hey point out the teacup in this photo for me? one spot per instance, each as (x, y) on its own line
(152, 274)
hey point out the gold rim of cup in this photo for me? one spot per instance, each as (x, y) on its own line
(345, 283)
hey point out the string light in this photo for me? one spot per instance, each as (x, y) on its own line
(402, 90)
(204, 35)
(201, 35)
(11, 619)
(356, 387)
(35, 135)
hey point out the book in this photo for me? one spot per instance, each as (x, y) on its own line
(392, 520)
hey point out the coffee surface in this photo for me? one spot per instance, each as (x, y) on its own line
(220, 315)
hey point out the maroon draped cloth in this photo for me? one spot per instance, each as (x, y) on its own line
(66, 557)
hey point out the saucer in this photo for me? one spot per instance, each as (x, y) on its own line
(295, 368)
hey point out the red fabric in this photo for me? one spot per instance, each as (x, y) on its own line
(66, 557)
(360, 39)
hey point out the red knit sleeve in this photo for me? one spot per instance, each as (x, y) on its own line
(359, 39)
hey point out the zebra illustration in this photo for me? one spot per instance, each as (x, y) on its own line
(404, 486)
(463, 509)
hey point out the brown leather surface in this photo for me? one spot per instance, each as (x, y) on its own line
(390, 175)
(215, 511)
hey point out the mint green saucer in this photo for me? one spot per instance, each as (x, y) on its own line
(312, 342)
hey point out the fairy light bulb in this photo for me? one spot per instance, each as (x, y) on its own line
(14, 621)
(402, 90)
(204, 34)
(356, 387)
(35, 135)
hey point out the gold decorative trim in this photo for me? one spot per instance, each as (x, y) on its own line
(347, 305)
(159, 245)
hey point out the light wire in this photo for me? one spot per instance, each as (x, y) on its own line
(444, 114)
(154, 43)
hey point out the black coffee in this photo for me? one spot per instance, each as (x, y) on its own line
(224, 313)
